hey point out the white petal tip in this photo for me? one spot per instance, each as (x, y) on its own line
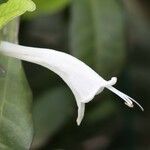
(81, 109)
(78, 122)
(114, 80)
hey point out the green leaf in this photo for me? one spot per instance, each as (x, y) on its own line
(51, 5)
(3, 1)
(16, 127)
(97, 34)
(48, 6)
(51, 111)
(14, 8)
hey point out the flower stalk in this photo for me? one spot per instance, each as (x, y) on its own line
(84, 82)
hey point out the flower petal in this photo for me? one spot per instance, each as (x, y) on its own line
(81, 110)
(84, 82)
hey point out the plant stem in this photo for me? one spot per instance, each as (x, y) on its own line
(10, 31)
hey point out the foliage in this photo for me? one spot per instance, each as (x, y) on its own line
(16, 127)
(14, 8)
(50, 6)
(100, 22)
(47, 7)
(45, 107)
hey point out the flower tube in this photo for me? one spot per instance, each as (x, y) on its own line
(84, 82)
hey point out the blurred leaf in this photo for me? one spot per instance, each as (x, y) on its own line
(51, 111)
(138, 22)
(3, 1)
(101, 111)
(97, 34)
(14, 8)
(48, 6)
(16, 130)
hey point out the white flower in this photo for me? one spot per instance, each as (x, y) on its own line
(84, 82)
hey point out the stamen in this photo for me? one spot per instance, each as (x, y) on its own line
(128, 100)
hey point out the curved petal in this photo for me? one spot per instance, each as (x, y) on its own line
(84, 82)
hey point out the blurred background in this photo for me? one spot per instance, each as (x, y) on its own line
(113, 38)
